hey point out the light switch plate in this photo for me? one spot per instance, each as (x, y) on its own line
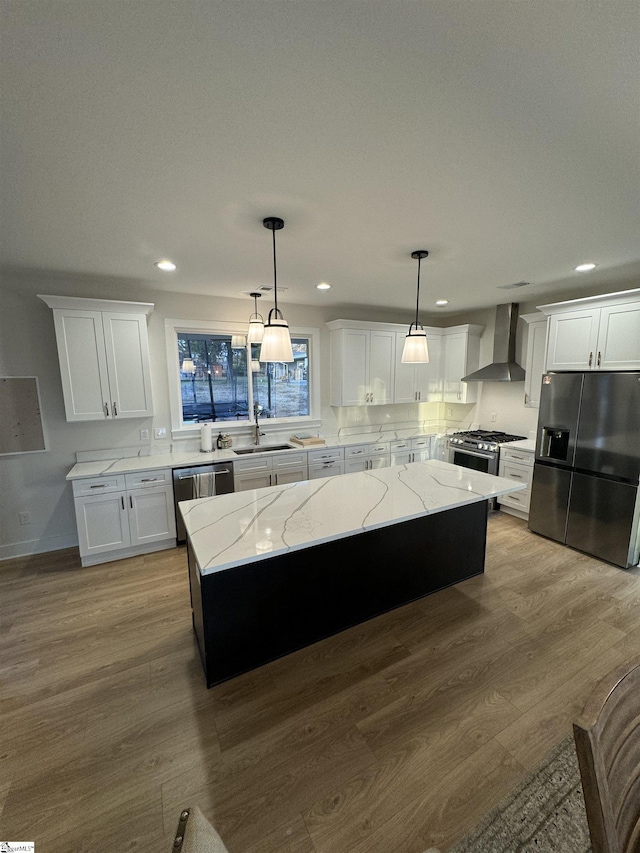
(144, 435)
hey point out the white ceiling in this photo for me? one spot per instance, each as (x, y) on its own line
(502, 136)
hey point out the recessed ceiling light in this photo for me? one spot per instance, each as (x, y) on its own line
(585, 267)
(323, 286)
(442, 301)
(165, 265)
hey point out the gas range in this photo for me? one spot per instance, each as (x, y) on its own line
(482, 439)
(478, 449)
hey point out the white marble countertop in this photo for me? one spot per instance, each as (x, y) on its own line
(527, 444)
(244, 527)
(150, 462)
(147, 463)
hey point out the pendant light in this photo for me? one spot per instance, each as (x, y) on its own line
(256, 323)
(276, 343)
(415, 344)
(187, 365)
(238, 341)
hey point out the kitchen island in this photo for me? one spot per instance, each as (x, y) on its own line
(273, 570)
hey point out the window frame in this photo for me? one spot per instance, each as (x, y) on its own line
(181, 431)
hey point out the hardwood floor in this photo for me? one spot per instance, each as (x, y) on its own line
(395, 735)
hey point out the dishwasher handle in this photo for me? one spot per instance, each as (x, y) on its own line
(191, 476)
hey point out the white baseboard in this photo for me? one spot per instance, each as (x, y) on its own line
(38, 546)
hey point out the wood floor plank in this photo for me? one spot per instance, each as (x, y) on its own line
(438, 818)
(393, 735)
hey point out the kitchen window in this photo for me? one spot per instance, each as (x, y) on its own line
(212, 381)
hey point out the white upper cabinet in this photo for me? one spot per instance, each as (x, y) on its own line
(103, 351)
(534, 363)
(598, 333)
(367, 368)
(460, 356)
(362, 365)
(419, 383)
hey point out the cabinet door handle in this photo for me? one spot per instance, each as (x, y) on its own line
(122, 500)
(106, 410)
(115, 410)
(590, 359)
(130, 501)
(419, 395)
(599, 359)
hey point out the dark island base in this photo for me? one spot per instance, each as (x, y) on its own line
(247, 616)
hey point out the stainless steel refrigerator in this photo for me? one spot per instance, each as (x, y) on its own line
(587, 467)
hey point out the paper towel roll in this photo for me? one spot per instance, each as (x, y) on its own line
(206, 441)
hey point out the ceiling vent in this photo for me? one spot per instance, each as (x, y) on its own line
(264, 288)
(514, 285)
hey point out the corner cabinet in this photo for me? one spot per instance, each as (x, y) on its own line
(362, 362)
(367, 368)
(419, 383)
(103, 351)
(597, 333)
(460, 356)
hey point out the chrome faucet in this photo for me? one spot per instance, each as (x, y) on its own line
(257, 408)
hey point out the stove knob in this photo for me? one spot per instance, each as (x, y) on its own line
(493, 447)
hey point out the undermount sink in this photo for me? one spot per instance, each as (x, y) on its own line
(262, 449)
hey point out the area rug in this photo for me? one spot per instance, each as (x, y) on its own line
(544, 814)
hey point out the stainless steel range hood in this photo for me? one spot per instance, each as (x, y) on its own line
(503, 368)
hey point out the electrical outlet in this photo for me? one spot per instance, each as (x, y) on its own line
(160, 432)
(25, 518)
(493, 417)
(144, 435)
(449, 413)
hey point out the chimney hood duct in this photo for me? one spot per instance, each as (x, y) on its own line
(503, 368)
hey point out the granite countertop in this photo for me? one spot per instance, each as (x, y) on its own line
(132, 464)
(245, 527)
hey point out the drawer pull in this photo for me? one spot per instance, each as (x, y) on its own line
(149, 479)
(515, 476)
(100, 486)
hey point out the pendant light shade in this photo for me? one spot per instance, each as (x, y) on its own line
(187, 365)
(415, 344)
(256, 323)
(255, 365)
(238, 341)
(276, 342)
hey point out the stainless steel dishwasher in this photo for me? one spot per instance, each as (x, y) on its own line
(183, 480)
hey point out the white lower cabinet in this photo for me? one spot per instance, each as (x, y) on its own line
(516, 464)
(260, 472)
(326, 462)
(404, 451)
(124, 515)
(366, 457)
